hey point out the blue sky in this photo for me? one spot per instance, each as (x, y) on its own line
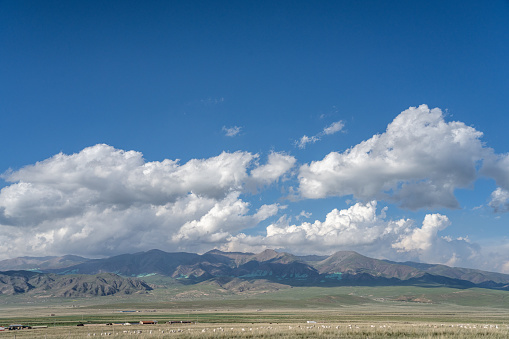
(230, 89)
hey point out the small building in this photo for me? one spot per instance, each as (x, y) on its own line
(13, 327)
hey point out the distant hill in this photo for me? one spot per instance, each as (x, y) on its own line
(40, 263)
(177, 265)
(18, 282)
(354, 263)
(483, 278)
(341, 268)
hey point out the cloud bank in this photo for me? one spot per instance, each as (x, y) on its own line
(104, 201)
(360, 228)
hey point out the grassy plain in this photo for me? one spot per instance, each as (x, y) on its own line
(290, 330)
(339, 312)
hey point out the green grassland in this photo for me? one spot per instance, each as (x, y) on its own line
(206, 298)
(411, 311)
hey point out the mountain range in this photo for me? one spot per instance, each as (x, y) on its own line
(54, 285)
(340, 268)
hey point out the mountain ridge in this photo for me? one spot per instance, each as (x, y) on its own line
(78, 285)
(340, 268)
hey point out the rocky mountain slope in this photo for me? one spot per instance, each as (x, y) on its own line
(340, 268)
(49, 284)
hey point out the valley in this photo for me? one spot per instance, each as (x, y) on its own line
(344, 292)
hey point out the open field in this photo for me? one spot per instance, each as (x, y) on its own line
(267, 330)
(339, 312)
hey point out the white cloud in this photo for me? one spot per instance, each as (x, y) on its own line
(500, 200)
(304, 214)
(231, 131)
(104, 201)
(422, 238)
(228, 215)
(360, 228)
(356, 226)
(329, 130)
(277, 165)
(306, 140)
(497, 167)
(334, 128)
(103, 176)
(418, 162)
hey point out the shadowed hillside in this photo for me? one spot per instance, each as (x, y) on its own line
(246, 271)
(18, 282)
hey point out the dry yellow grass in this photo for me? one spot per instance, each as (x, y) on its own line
(290, 330)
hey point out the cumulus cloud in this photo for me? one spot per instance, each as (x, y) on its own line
(228, 215)
(277, 165)
(360, 228)
(497, 167)
(417, 162)
(231, 131)
(422, 238)
(500, 200)
(104, 201)
(329, 130)
(104, 176)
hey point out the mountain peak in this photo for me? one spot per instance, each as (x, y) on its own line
(266, 255)
(342, 267)
(340, 256)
